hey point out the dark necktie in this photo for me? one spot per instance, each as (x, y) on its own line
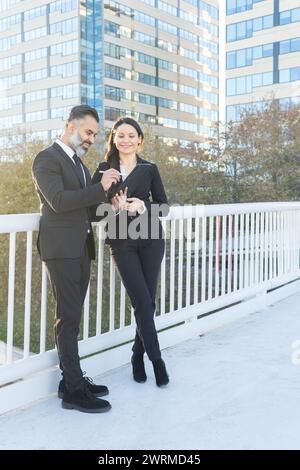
(79, 169)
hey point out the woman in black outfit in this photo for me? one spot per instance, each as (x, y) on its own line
(138, 259)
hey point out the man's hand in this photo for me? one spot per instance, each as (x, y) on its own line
(109, 177)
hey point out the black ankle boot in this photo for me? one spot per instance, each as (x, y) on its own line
(138, 369)
(161, 375)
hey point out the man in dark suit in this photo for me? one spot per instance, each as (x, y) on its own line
(66, 245)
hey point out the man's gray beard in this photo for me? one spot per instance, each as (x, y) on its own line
(76, 141)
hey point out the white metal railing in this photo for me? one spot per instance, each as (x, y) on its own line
(216, 256)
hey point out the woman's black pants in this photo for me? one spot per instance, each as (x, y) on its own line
(138, 262)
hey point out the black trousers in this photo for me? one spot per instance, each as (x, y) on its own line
(69, 280)
(138, 262)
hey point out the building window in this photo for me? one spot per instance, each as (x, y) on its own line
(236, 6)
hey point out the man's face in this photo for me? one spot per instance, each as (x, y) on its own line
(83, 134)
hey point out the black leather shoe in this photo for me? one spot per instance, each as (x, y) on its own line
(83, 400)
(96, 390)
(138, 369)
(161, 375)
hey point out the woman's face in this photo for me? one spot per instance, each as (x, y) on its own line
(126, 139)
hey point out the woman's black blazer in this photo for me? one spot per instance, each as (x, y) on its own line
(144, 182)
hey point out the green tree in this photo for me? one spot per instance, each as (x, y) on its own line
(261, 154)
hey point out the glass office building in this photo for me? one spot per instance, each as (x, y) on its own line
(262, 53)
(154, 60)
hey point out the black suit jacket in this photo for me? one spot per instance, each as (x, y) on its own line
(65, 223)
(143, 182)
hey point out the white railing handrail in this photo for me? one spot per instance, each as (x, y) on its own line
(30, 222)
(19, 222)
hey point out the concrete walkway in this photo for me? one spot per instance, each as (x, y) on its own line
(234, 388)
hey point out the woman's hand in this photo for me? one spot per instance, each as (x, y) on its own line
(115, 204)
(135, 204)
(122, 199)
(118, 202)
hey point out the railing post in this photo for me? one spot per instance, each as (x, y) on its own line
(11, 298)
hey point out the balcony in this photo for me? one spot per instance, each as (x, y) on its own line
(227, 320)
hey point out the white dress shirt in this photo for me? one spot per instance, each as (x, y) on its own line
(70, 152)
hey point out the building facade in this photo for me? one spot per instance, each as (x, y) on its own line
(262, 54)
(153, 60)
